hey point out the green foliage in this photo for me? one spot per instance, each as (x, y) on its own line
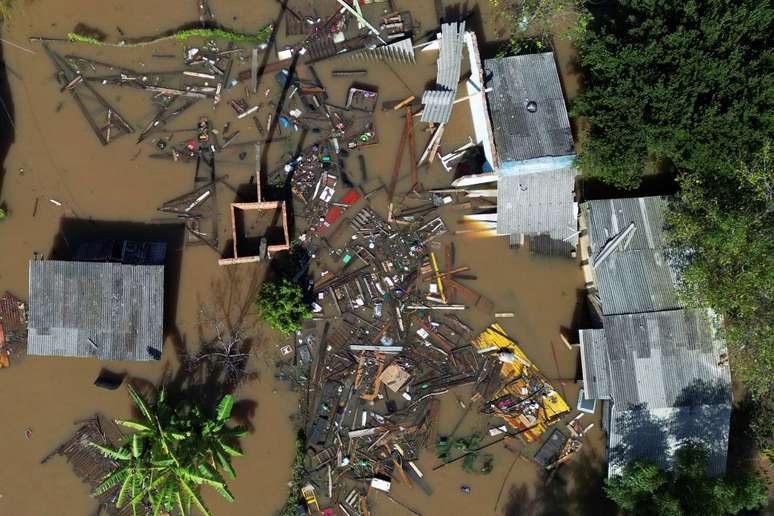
(473, 460)
(297, 472)
(5, 9)
(688, 86)
(644, 489)
(529, 24)
(171, 453)
(261, 37)
(762, 425)
(82, 38)
(721, 231)
(3, 214)
(687, 83)
(281, 304)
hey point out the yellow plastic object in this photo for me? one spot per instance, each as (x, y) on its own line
(311, 500)
(517, 376)
(438, 277)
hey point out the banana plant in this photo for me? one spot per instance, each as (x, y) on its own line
(170, 454)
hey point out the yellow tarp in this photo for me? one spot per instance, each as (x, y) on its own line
(516, 378)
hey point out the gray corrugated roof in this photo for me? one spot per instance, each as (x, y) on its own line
(656, 434)
(637, 276)
(119, 307)
(437, 105)
(519, 134)
(439, 101)
(596, 372)
(665, 383)
(654, 356)
(541, 203)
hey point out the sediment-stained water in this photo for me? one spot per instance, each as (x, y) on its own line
(56, 157)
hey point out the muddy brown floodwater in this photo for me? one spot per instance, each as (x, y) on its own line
(56, 156)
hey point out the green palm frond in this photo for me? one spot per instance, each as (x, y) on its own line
(237, 432)
(225, 493)
(140, 402)
(225, 462)
(224, 407)
(123, 491)
(162, 463)
(137, 445)
(179, 502)
(110, 480)
(134, 425)
(193, 497)
(231, 449)
(121, 454)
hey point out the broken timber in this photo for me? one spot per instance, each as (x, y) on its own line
(93, 106)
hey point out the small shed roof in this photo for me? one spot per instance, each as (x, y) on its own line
(110, 311)
(637, 275)
(540, 203)
(529, 116)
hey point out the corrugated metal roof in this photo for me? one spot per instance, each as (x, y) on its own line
(655, 435)
(541, 203)
(117, 307)
(520, 134)
(655, 356)
(637, 276)
(665, 383)
(596, 372)
(437, 105)
(440, 100)
(450, 57)
(401, 51)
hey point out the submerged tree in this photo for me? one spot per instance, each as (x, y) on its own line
(171, 454)
(281, 304)
(686, 489)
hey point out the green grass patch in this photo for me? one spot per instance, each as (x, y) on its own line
(82, 38)
(260, 37)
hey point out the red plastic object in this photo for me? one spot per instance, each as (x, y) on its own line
(350, 198)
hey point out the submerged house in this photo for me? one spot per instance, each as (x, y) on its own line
(659, 368)
(110, 310)
(532, 155)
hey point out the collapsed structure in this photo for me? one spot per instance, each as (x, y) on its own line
(659, 368)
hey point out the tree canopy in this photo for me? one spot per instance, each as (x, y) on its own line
(172, 452)
(689, 87)
(687, 83)
(645, 489)
(281, 304)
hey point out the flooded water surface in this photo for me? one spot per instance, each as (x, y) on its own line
(60, 184)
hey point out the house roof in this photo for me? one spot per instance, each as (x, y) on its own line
(596, 370)
(661, 371)
(540, 203)
(636, 276)
(110, 311)
(439, 101)
(517, 81)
